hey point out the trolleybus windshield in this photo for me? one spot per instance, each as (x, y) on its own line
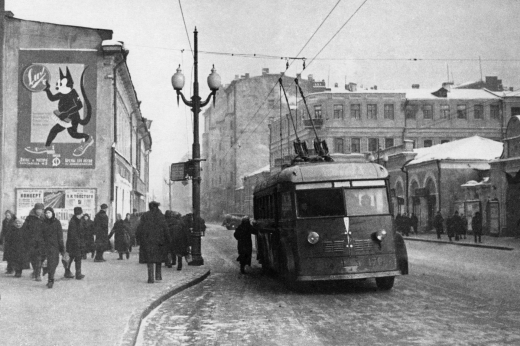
(368, 201)
(317, 203)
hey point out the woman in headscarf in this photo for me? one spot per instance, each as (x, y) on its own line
(90, 244)
(19, 256)
(54, 246)
(245, 245)
(6, 225)
(122, 237)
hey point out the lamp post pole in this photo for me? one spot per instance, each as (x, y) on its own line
(196, 105)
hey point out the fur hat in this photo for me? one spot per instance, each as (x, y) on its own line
(104, 206)
(78, 211)
(39, 206)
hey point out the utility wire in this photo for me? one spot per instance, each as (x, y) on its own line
(185, 27)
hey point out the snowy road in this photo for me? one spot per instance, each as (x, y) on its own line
(453, 296)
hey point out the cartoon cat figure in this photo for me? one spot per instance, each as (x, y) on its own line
(67, 115)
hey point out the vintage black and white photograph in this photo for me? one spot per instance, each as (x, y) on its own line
(250, 173)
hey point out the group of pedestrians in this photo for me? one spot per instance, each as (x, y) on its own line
(164, 238)
(406, 224)
(457, 226)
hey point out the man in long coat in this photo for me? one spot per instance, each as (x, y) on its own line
(18, 257)
(101, 233)
(34, 242)
(438, 224)
(243, 235)
(53, 236)
(152, 235)
(76, 243)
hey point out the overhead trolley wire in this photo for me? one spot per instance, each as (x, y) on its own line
(185, 27)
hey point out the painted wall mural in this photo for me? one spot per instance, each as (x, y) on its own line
(57, 109)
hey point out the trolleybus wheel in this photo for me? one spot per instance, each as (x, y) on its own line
(385, 283)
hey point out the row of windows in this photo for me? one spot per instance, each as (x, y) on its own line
(410, 112)
(373, 144)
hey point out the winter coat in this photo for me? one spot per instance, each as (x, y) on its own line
(18, 255)
(414, 221)
(438, 222)
(33, 234)
(6, 226)
(152, 235)
(53, 236)
(101, 231)
(179, 236)
(121, 230)
(90, 243)
(476, 224)
(76, 237)
(244, 243)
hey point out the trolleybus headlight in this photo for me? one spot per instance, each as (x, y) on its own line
(313, 237)
(378, 237)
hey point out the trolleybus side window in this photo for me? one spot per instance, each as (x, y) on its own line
(286, 206)
(369, 201)
(316, 203)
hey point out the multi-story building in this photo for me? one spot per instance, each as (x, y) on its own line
(71, 126)
(236, 135)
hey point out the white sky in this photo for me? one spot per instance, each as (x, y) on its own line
(154, 32)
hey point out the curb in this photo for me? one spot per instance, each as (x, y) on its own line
(496, 247)
(129, 337)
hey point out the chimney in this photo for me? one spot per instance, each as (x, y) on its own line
(447, 85)
(335, 85)
(265, 71)
(310, 78)
(352, 87)
(415, 86)
(375, 87)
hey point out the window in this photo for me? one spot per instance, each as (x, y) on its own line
(461, 112)
(339, 145)
(317, 112)
(372, 111)
(371, 201)
(355, 111)
(428, 143)
(338, 111)
(355, 145)
(389, 142)
(445, 111)
(478, 112)
(373, 144)
(409, 112)
(317, 203)
(428, 112)
(389, 111)
(494, 112)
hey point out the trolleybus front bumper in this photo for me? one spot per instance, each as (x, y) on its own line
(347, 276)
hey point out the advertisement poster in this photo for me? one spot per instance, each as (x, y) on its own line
(62, 201)
(57, 109)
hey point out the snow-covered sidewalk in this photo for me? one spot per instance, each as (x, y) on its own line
(102, 309)
(499, 243)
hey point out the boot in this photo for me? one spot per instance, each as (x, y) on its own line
(50, 283)
(68, 274)
(128, 255)
(9, 269)
(18, 274)
(79, 276)
(92, 254)
(179, 262)
(158, 276)
(120, 256)
(150, 273)
(242, 268)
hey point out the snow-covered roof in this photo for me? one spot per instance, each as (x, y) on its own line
(484, 182)
(472, 148)
(112, 43)
(454, 94)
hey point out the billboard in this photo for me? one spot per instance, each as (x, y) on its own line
(62, 200)
(57, 109)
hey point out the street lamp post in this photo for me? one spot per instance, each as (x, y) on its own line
(196, 105)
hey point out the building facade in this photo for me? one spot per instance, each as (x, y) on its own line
(72, 130)
(236, 136)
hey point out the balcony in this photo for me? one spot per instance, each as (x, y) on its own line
(318, 123)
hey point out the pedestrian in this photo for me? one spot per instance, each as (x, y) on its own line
(458, 225)
(414, 221)
(438, 224)
(405, 225)
(18, 256)
(75, 243)
(90, 242)
(152, 235)
(244, 243)
(34, 243)
(121, 231)
(134, 221)
(6, 227)
(53, 236)
(450, 228)
(476, 225)
(180, 239)
(464, 226)
(398, 222)
(101, 233)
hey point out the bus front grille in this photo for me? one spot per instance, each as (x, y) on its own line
(334, 245)
(363, 247)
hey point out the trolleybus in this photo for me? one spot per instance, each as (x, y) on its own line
(320, 221)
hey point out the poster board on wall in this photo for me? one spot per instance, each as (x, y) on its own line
(62, 200)
(57, 109)
(471, 207)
